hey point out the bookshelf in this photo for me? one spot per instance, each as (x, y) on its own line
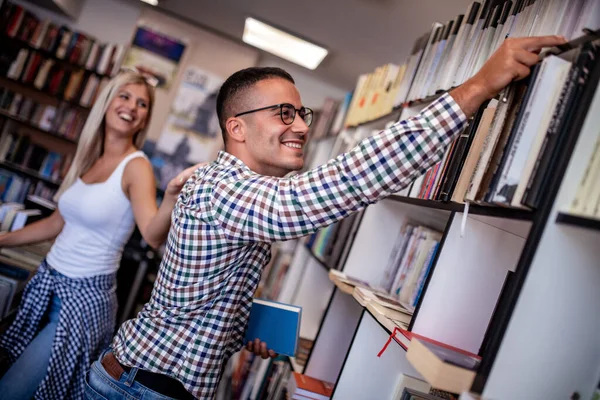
(28, 172)
(578, 220)
(50, 76)
(516, 285)
(37, 129)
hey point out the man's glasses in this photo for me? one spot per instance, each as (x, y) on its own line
(287, 113)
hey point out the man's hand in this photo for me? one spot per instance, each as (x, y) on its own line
(511, 62)
(260, 349)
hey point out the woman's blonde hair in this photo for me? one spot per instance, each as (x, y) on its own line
(91, 140)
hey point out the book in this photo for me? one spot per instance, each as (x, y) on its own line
(305, 387)
(409, 382)
(535, 117)
(276, 324)
(444, 367)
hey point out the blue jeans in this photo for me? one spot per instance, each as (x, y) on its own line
(23, 378)
(100, 385)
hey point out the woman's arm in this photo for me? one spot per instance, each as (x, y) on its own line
(139, 185)
(44, 229)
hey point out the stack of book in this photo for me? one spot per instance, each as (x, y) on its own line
(302, 387)
(375, 94)
(452, 52)
(56, 60)
(384, 307)
(60, 121)
(506, 155)
(587, 197)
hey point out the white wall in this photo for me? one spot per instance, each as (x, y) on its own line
(312, 90)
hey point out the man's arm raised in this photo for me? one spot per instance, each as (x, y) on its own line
(511, 62)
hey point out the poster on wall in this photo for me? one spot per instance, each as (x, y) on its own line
(191, 132)
(155, 54)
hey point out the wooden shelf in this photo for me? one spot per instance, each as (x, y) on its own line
(28, 124)
(25, 45)
(43, 92)
(475, 209)
(29, 172)
(578, 221)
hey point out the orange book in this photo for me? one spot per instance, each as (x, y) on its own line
(305, 387)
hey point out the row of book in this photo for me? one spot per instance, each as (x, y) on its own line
(506, 155)
(409, 262)
(59, 42)
(62, 121)
(375, 94)
(20, 151)
(330, 244)
(45, 74)
(16, 188)
(587, 197)
(451, 53)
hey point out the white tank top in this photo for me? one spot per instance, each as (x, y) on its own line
(98, 222)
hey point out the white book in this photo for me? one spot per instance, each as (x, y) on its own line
(538, 106)
(105, 59)
(93, 54)
(471, 44)
(443, 66)
(6, 207)
(15, 69)
(117, 59)
(424, 65)
(416, 187)
(539, 135)
(22, 217)
(409, 75)
(488, 145)
(459, 49)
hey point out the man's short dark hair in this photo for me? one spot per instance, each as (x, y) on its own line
(236, 86)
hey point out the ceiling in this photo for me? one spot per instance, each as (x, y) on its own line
(360, 34)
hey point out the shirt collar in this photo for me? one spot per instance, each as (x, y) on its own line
(227, 159)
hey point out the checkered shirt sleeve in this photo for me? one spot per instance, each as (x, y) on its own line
(266, 209)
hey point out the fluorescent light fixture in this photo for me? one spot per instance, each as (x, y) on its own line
(283, 44)
(151, 2)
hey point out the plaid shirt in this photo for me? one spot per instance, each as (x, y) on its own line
(222, 226)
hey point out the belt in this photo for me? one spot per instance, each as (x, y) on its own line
(160, 383)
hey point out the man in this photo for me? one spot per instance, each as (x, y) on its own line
(230, 211)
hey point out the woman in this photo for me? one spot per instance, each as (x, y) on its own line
(67, 314)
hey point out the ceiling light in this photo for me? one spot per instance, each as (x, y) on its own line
(151, 2)
(283, 44)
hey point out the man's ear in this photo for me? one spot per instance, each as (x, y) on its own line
(236, 129)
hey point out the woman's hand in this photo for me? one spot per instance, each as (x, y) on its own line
(176, 184)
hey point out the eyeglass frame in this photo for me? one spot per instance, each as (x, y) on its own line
(296, 111)
(150, 79)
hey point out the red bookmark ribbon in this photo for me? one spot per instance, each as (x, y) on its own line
(385, 346)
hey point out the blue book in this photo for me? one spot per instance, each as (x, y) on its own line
(276, 324)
